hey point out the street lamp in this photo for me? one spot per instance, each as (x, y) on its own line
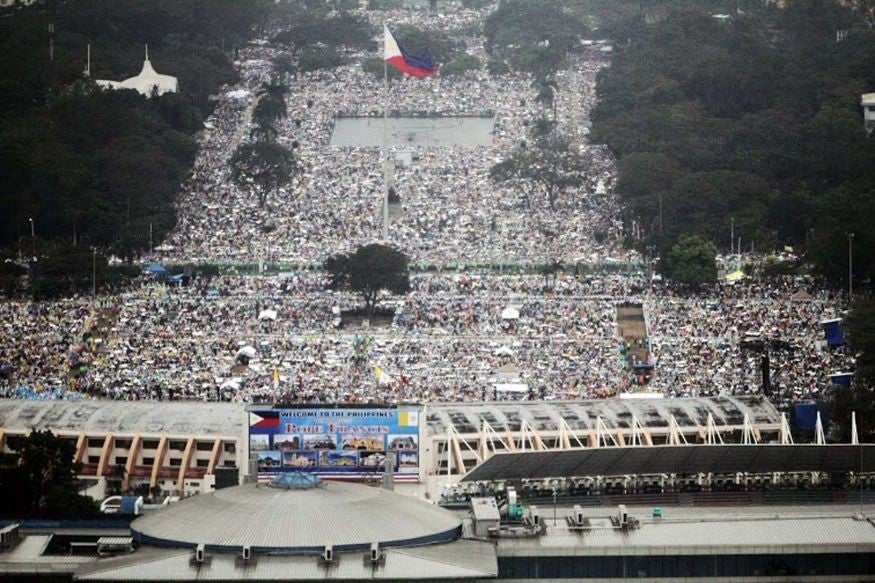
(32, 235)
(731, 234)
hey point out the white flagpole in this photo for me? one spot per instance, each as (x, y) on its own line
(385, 138)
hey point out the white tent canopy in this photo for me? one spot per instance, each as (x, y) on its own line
(510, 313)
(147, 83)
(512, 388)
(267, 315)
(247, 351)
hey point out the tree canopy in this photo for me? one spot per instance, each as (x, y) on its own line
(94, 167)
(756, 120)
(860, 398)
(262, 167)
(533, 35)
(38, 479)
(692, 261)
(544, 169)
(369, 270)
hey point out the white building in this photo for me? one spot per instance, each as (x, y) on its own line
(147, 83)
(868, 103)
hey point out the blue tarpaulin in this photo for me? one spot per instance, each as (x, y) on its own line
(805, 415)
(155, 268)
(841, 379)
(835, 336)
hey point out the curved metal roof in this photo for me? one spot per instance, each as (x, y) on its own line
(615, 413)
(344, 516)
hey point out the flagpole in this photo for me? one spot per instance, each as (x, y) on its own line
(385, 140)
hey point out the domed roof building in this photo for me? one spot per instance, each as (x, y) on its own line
(298, 528)
(301, 518)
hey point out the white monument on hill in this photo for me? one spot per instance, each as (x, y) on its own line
(868, 103)
(148, 82)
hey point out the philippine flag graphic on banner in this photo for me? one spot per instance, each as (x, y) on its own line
(396, 56)
(264, 419)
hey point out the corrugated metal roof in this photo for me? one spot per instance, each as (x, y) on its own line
(680, 459)
(717, 535)
(459, 560)
(264, 517)
(615, 413)
(126, 417)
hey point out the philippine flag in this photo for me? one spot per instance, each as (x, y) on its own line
(396, 56)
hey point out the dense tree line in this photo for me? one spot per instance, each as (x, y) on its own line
(93, 167)
(753, 120)
(38, 480)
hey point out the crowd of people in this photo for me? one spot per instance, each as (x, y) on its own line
(458, 335)
(454, 337)
(450, 209)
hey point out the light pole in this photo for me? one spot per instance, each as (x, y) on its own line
(32, 235)
(731, 234)
(660, 213)
(93, 272)
(850, 267)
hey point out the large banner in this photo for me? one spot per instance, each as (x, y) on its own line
(348, 443)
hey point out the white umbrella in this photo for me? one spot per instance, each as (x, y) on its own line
(247, 351)
(503, 351)
(510, 313)
(165, 247)
(267, 315)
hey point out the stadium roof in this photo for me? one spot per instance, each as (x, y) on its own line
(343, 516)
(229, 419)
(127, 417)
(615, 413)
(683, 459)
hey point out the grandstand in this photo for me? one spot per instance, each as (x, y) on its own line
(460, 436)
(176, 446)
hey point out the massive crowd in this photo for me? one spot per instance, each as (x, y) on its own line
(454, 337)
(458, 335)
(450, 209)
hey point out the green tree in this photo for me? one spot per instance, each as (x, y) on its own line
(548, 167)
(271, 106)
(860, 398)
(437, 45)
(860, 332)
(66, 270)
(369, 270)
(692, 261)
(547, 89)
(44, 467)
(313, 60)
(533, 35)
(262, 167)
(460, 65)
